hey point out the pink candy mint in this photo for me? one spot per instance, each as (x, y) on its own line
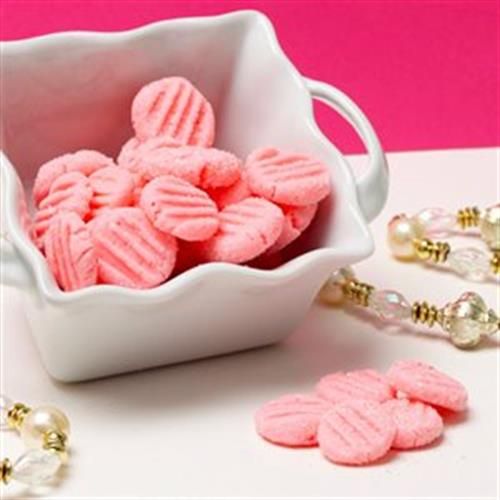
(291, 420)
(176, 207)
(131, 251)
(70, 192)
(246, 230)
(361, 384)
(70, 253)
(417, 424)
(173, 107)
(84, 161)
(285, 178)
(112, 187)
(356, 432)
(424, 383)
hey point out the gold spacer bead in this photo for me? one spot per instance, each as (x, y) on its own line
(5, 470)
(357, 292)
(425, 249)
(495, 263)
(421, 312)
(56, 441)
(16, 415)
(468, 217)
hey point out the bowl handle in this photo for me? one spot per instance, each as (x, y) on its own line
(372, 186)
(12, 269)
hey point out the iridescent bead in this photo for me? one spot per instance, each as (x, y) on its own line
(401, 234)
(471, 263)
(489, 225)
(332, 290)
(36, 467)
(435, 222)
(390, 305)
(468, 319)
(5, 404)
(40, 421)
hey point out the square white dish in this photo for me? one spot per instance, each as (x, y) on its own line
(69, 91)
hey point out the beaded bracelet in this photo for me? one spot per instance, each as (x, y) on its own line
(467, 320)
(408, 239)
(45, 432)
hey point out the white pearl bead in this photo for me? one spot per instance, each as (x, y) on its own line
(401, 234)
(36, 467)
(5, 404)
(41, 420)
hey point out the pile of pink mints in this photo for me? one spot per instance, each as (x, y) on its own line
(171, 201)
(357, 417)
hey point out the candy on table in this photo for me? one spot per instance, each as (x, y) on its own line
(131, 252)
(246, 230)
(356, 432)
(285, 178)
(366, 417)
(417, 423)
(70, 192)
(111, 187)
(423, 382)
(85, 161)
(70, 253)
(176, 207)
(361, 384)
(173, 107)
(291, 420)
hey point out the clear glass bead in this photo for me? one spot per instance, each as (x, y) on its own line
(5, 404)
(471, 263)
(435, 222)
(389, 304)
(36, 467)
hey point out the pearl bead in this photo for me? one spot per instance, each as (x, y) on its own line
(489, 226)
(401, 234)
(41, 420)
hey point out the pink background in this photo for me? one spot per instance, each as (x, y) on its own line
(425, 72)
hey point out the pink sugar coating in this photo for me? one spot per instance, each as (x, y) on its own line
(176, 207)
(69, 251)
(423, 382)
(225, 196)
(112, 187)
(288, 179)
(84, 161)
(70, 192)
(360, 384)
(418, 424)
(356, 432)
(133, 149)
(172, 107)
(297, 220)
(131, 251)
(291, 420)
(202, 167)
(246, 230)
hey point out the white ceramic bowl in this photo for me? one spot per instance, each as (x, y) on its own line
(73, 90)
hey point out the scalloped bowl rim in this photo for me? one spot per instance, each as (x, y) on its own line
(191, 277)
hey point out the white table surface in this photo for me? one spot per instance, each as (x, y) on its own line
(187, 430)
